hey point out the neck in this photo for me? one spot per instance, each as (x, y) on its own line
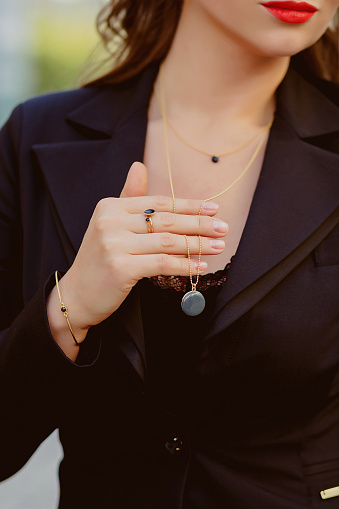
(219, 76)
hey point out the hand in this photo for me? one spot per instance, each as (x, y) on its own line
(117, 250)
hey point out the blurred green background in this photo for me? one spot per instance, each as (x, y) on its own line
(45, 45)
(65, 37)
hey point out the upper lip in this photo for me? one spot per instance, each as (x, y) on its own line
(291, 6)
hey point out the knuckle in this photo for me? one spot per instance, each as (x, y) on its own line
(109, 223)
(117, 263)
(101, 224)
(105, 225)
(167, 219)
(167, 240)
(105, 206)
(106, 242)
(101, 206)
(161, 202)
(106, 247)
(163, 263)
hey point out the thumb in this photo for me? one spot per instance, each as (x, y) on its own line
(136, 181)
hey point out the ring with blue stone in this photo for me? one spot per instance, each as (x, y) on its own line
(148, 218)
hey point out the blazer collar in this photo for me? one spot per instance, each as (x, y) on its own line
(112, 106)
(303, 106)
(295, 206)
(296, 201)
(80, 173)
(295, 195)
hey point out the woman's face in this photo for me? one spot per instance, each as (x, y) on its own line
(270, 28)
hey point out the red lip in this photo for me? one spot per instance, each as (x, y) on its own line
(291, 12)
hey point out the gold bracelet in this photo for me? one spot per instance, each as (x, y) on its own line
(64, 308)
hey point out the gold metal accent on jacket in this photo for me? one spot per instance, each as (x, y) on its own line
(330, 493)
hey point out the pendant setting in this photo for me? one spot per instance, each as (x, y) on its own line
(193, 303)
(215, 159)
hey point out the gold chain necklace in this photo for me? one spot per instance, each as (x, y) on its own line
(193, 302)
(215, 157)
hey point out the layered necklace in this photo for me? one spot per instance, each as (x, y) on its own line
(215, 157)
(193, 302)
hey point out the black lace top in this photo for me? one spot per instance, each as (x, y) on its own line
(182, 283)
(174, 340)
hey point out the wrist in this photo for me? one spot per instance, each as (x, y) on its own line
(81, 333)
(59, 326)
(76, 311)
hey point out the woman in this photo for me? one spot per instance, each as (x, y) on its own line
(237, 406)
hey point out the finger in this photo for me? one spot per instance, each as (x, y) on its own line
(138, 204)
(178, 223)
(136, 181)
(165, 265)
(169, 243)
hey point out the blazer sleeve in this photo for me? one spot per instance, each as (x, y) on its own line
(35, 375)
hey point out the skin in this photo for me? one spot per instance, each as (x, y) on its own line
(225, 94)
(248, 25)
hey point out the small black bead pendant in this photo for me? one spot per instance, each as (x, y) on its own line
(215, 159)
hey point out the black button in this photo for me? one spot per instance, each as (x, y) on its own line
(174, 445)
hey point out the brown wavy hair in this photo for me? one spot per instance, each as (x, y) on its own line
(137, 33)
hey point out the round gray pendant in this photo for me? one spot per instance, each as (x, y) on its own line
(193, 303)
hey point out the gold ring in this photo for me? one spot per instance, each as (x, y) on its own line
(148, 218)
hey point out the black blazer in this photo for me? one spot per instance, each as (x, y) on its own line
(266, 431)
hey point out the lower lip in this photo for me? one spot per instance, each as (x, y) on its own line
(290, 16)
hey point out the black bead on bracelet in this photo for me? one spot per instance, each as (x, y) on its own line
(63, 308)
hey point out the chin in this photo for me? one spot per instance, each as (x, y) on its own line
(287, 47)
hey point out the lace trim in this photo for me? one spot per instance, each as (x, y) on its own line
(182, 283)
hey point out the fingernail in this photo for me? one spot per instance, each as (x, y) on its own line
(217, 244)
(220, 226)
(203, 265)
(210, 206)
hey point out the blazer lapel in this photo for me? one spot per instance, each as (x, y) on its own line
(80, 173)
(292, 210)
(295, 203)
